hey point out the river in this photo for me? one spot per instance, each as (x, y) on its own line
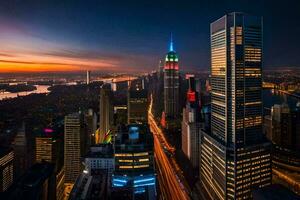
(39, 89)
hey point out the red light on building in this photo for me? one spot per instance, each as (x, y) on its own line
(171, 66)
(191, 96)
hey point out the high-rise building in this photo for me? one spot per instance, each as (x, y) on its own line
(137, 106)
(73, 146)
(191, 125)
(235, 156)
(88, 77)
(6, 168)
(23, 153)
(106, 112)
(281, 128)
(48, 148)
(171, 84)
(281, 123)
(133, 176)
(90, 119)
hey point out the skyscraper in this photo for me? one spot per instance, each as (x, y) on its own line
(171, 84)
(23, 153)
(191, 125)
(6, 168)
(88, 77)
(47, 149)
(235, 157)
(73, 146)
(106, 112)
(137, 105)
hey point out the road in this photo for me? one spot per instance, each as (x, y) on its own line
(171, 182)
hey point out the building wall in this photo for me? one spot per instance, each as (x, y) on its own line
(6, 170)
(72, 147)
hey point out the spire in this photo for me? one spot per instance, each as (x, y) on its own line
(171, 48)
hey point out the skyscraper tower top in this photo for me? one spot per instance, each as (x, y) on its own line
(171, 55)
(171, 47)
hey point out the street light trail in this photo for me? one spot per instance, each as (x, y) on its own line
(170, 184)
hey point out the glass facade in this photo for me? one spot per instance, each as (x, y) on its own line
(235, 158)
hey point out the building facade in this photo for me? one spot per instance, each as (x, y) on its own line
(106, 112)
(73, 146)
(190, 131)
(137, 106)
(47, 148)
(6, 168)
(235, 156)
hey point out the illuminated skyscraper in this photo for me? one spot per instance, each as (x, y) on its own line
(6, 168)
(171, 84)
(73, 144)
(235, 157)
(106, 112)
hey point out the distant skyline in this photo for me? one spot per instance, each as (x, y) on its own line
(129, 36)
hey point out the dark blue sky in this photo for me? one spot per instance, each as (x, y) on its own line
(134, 35)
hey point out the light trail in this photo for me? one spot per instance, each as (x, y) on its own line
(172, 183)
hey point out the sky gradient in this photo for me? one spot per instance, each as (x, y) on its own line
(129, 36)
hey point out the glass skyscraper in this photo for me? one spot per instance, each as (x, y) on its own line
(235, 157)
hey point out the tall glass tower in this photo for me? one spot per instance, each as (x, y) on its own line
(171, 83)
(235, 157)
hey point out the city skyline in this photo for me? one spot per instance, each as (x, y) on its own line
(149, 100)
(126, 37)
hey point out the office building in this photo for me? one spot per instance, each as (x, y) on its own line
(133, 176)
(37, 183)
(6, 168)
(279, 126)
(106, 112)
(191, 124)
(171, 84)
(23, 152)
(137, 106)
(48, 148)
(73, 146)
(120, 114)
(90, 119)
(235, 156)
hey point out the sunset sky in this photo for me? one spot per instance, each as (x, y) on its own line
(122, 36)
